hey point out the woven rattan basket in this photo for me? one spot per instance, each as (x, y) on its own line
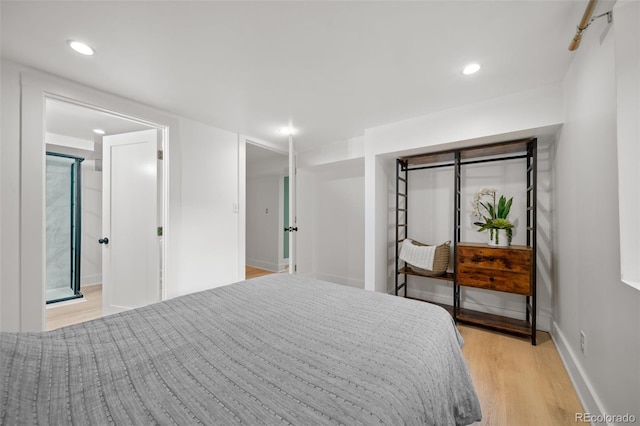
(440, 260)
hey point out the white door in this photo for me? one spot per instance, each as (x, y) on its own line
(293, 220)
(130, 253)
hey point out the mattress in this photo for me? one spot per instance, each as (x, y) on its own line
(279, 349)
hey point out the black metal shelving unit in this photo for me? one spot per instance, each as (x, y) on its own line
(458, 158)
(402, 213)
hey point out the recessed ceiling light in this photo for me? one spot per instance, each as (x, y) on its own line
(99, 131)
(471, 69)
(81, 47)
(287, 131)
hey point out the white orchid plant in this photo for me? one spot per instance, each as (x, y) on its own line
(494, 215)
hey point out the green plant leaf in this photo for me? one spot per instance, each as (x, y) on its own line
(501, 224)
(507, 208)
(504, 207)
(489, 208)
(483, 227)
(501, 204)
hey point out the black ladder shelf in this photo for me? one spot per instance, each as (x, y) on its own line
(402, 212)
(457, 158)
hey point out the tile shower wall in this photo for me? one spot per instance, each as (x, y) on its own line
(58, 218)
(91, 263)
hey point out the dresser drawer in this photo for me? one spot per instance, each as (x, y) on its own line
(494, 279)
(506, 269)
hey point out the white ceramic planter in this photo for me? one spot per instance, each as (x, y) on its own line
(500, 238)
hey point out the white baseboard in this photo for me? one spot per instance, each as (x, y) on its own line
(65, 303)
(260, 264)
(284, 266)
(581, 383)
(340, 280)
(88, 280)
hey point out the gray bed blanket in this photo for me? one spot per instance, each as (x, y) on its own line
(274, 350)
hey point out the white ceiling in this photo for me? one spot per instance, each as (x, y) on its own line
(64, 118)
(331, 69)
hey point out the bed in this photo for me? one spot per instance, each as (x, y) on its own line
(274, 350)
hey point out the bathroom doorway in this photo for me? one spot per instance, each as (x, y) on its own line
(74, 199)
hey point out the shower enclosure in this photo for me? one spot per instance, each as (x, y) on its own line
(63, 231)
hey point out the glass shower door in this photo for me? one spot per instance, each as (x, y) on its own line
(63, 227)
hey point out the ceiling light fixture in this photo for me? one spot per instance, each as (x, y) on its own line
(81, 47)
(286, 131)
(471, 69)
(99, 131)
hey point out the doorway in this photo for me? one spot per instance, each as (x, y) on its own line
(74, 131)
(266, 197)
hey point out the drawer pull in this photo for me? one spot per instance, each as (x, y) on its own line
(491, 279)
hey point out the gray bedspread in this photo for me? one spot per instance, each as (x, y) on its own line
(274, 350)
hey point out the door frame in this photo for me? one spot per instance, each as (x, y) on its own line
(35, 89)
(243, 140)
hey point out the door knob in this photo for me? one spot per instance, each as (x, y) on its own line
(104, 240)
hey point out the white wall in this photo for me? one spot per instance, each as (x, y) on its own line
(264, 222)
(209, 225)
(91, 259)
(202, 229)
(10, 175)
(2, 107)
(306, 209)
(339, 223)
(331, 222)
(588, 293)
(627, 40)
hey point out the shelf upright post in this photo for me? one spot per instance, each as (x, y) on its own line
(456, 231)
(397, 223)
(534, 237)
(401, 168)
(405, 169)
(532, 207)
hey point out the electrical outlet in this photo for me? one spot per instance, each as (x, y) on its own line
(583, 342)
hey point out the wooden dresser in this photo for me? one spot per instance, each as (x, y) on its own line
(506, 269)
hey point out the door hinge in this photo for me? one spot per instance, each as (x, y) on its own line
(160, 155)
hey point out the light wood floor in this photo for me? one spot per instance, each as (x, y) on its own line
(73, 313)
(252, 272)
(517, 384)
